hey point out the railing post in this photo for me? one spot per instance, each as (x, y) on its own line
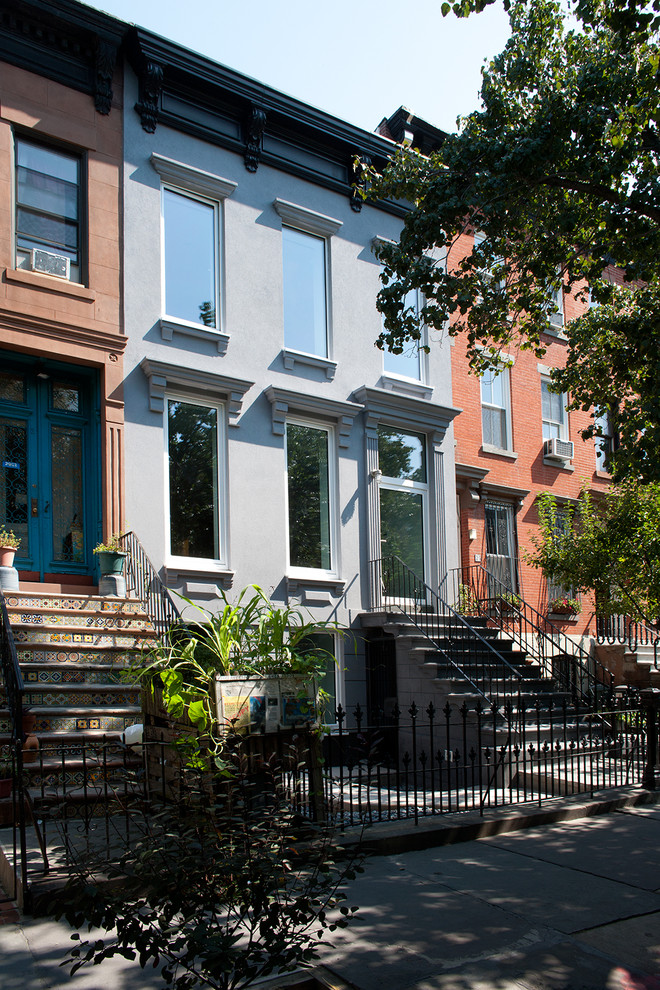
(650, 698)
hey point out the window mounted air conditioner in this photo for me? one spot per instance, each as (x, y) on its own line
(558, 450)
(49, 263)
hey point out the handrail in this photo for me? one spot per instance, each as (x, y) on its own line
(11, 673)
(395, 585)
(622, 629)
(575, 670)
(142, 578)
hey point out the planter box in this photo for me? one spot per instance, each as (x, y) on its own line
(268, 704)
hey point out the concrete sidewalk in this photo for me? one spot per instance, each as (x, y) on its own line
(574, 905)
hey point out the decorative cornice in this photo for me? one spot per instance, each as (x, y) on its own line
(91, 338)
(490, 489)
(194, 179)
(254, 130)
(164, 377)
(285, 401)
(216, 104)
(151, 84)
(404, 411)
(304, 219)
(64, 41)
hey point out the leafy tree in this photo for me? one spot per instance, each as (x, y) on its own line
(219, 889)
(559, 170)
(610, 546)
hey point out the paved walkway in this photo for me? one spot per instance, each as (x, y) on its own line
(570, 906)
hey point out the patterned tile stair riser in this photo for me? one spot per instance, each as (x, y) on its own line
(97, 657)
(66, 620)
(105, 639)
(73, 604)
(80, 699)
(115, 723)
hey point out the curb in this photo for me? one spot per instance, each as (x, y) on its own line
(387, 838)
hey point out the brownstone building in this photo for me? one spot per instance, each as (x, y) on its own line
(61, 335)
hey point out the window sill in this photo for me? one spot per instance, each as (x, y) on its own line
(292, 358)
(603, 475)
(298, 584)
(558, 465)
(407, 386)
(204, 571)
(557, 333)
(168, 327)
(488, 448)
(36, 280)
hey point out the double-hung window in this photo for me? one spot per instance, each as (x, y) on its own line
(195, 444)
(48, 210)
(409, 363)
(606, 442)
(555, 416)
(191, 270)
(311, 502)
(305, 292)
(496, 409)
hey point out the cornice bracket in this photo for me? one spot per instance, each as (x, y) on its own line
(356, 199)
(105, 58)
(151, 84)
(254, 130)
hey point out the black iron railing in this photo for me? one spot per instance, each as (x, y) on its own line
(89, 797)
(421, 762)
(474, 591)
(466, 655)
(143, 581)
(628, 632)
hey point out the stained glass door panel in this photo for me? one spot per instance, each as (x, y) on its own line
(68, 516)
(14, 481)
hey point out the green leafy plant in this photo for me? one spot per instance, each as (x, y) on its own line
(112, 546)
(509, 599)
(220, 889)
(466, 602)
(8, 539)
(250, 637)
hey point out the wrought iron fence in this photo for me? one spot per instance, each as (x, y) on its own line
(628, 632)
(143, 581)
(407, 765)
(422, 762)
(474, 591)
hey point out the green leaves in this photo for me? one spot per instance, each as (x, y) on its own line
(560, 172)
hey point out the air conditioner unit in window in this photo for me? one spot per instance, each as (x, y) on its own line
(49, 263)
(558, 450)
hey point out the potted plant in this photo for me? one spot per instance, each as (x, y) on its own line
(508, 602)
(9, 544)
(563, 605)
(111, 555)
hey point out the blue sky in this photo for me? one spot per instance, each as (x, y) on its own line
(359, 61)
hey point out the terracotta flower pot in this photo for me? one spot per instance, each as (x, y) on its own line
(7, 555)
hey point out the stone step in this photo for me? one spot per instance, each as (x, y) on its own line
(25, 636)
(90, 656)
(59, 719)
(30, 601)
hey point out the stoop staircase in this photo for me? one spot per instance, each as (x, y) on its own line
(72, 650)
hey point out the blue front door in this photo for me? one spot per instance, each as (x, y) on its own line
(49, 466)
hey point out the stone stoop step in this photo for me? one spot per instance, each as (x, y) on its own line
(72, 650)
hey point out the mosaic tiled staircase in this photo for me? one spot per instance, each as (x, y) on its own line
(72, 650)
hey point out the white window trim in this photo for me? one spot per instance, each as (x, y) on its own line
(318, 225)
(175, 562)
(213, 190)
(316, 573)
(493, 448)
(422, 488)
(564, 421)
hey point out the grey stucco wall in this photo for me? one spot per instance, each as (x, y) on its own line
(251, 290)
